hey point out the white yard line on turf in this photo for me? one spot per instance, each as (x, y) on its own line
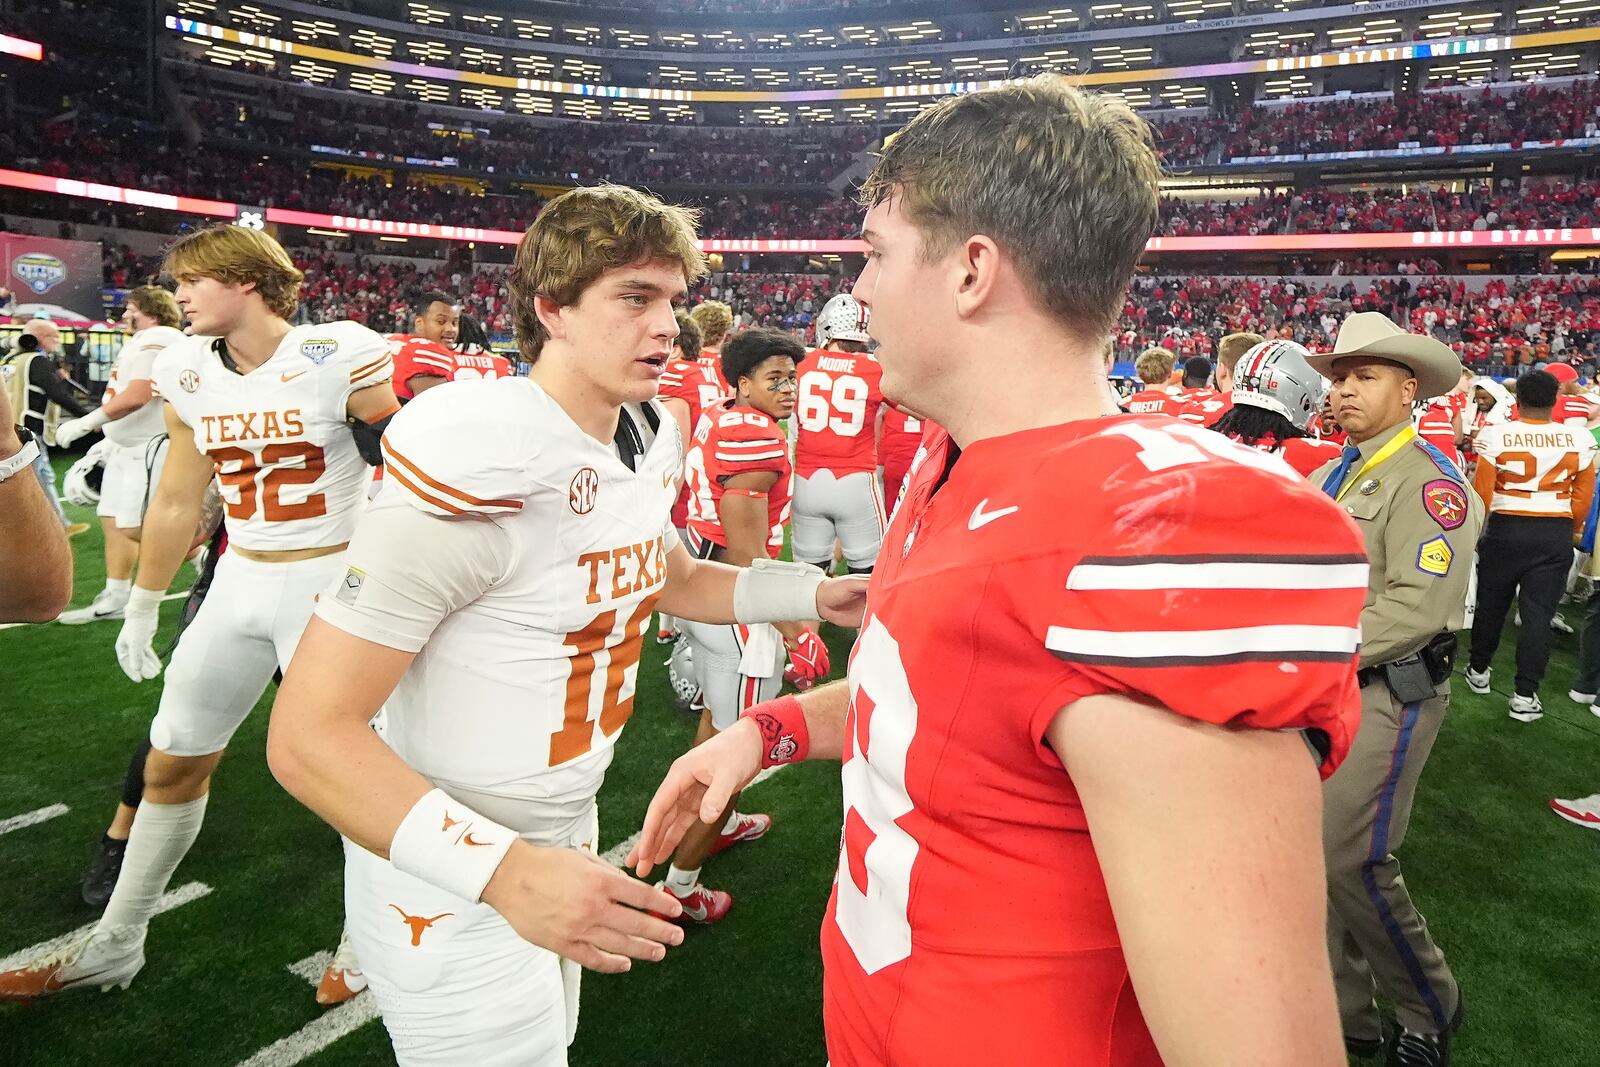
(175, 898)
(13, 625)
(322, 1031)
(32, 818)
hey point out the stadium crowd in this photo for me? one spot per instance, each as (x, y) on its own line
(1507, 326)
(1426, 120)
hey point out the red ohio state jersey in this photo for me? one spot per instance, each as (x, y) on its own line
(902, 434)
(693, 383)
(1574, 409)
(836, 413)
(1304, 454)
(414, 356)
(1206, 406)
(471, 366)
(1436, 426)
(734, 440)
(970, 921)
(711, 359)
(1154, 401)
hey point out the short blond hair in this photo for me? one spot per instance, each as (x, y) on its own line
(688, 336)
(1065, 181)
(715, 319)
(1154, 365)
(585, 232)
(1233, 347)
(156, 303)
(238, 255)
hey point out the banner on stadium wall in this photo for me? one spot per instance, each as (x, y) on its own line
(53, 278)
(1546, 237)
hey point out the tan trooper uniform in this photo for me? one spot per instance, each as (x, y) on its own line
(1421, 521)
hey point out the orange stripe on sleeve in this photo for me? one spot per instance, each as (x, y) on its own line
(443, 505)
(467, 498)
(359, 372)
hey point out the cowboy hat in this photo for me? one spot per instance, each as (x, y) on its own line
(1367, 333)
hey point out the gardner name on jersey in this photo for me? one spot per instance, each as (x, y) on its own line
(291, 476)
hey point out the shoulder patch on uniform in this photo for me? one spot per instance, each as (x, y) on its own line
(318, 349)
(1446, 502)
(1434, 556)
(1445, 464)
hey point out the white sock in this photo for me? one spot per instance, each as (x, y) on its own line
(664, 621)
(680, 882)
(733, 822)
(119, 587)
(161, 836)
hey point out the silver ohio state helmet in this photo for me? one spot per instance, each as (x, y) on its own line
(1275, 375)
(842, 319)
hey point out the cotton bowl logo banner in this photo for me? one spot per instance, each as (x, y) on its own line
(39, 271)
(69, 271)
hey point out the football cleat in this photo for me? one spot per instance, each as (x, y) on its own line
(343, 978)
(101, 877)
(700, 905)
(103, 960)
(106, 605)
(1577, 696)
(1559, 624)
(1478, 681)
(1584, 811)
(1526, 709)
(750, 828)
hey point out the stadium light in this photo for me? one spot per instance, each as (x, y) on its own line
(21, 48)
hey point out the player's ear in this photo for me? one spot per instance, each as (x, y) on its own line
(550, 317)
(975, 267)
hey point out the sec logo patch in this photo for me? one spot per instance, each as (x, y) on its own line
(189, 381)
(583, 490)
(1434, 556)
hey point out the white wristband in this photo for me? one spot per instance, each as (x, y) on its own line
(771, 590)
(143, 601)
(447, 844)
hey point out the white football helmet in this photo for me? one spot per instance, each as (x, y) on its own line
(81, 484)
(1275, 375)
(842, 319)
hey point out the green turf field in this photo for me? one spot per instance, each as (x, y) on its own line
(1510, 891)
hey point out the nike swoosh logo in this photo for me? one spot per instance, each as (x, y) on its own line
(291, 377)
(697, 914)
(466, 839)
(983, 518)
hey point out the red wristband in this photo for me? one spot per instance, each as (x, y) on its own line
(784, 737)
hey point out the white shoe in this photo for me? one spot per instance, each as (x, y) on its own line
(1526, 709)
(104, 960)
(1585, 811)
(1559, 624)
(343, 978)
(106, 605)
(1581, 698)
(1478, 681)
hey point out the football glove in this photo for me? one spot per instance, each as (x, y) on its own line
(74, 429)
(808, 660)
(136, 642)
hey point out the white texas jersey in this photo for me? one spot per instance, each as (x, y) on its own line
(1536, 465)
(545, 556)
(290, 474)
(135, 362)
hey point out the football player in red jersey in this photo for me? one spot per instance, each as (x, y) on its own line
(1154, 368)
(739, 482)
(1208, 410)
(687, 387)
(1082, 819)
(897, 447)
(423, 357)
(1276, 397)
(1574, 407)
(474, 358)
(837, 422)
(715, 320)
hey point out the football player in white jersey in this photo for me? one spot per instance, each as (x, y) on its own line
(130, 417)
(496, 597)
(264, 405)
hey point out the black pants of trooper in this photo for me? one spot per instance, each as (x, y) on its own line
(1528, 558)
